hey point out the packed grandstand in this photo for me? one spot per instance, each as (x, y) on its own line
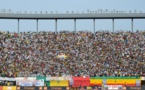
(67, 53)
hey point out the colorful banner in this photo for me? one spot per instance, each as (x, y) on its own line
(71, 81)
(9, 88)
(129, 81)
(121, 81)
(39, 82)
(96, 82)
(52, 79)
(41, 77)
(81, 81)
(25, 81)
(59, 83)
(30, 81)
(68, 78)
(1, 87)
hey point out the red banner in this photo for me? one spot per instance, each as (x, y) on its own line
(1, 87)
(81, 81)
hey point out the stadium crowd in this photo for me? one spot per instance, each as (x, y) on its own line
(75, 54)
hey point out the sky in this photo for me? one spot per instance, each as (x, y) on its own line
(62, 6)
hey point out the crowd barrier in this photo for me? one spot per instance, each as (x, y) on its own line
(70, 83)
(46, 88)
(70, 88)
(129, 81)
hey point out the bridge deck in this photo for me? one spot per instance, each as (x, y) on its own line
(74, 16)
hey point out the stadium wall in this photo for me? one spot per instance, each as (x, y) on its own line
(68, 83)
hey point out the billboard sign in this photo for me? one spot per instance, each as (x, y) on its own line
(30, 81)
(113, 87)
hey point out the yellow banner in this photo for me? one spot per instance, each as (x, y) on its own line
(9, 87)
(114, 81)
(121, 81)
(59, 83)
(96, 81)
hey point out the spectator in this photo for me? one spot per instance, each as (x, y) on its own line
(102, 54)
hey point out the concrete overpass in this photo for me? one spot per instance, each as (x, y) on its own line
(75, 16)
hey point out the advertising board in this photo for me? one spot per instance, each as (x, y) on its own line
(134, 88)
(113, 87)
(30, 81)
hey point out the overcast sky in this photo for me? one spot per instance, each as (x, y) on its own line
(61, 6)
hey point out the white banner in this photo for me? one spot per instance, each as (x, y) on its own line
(30, 81)
(7, 79)
(10, 79)
(25, 81)
(2, 79)
(39, 82)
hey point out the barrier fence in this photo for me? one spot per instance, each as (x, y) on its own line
(71, 83)
(70, 88)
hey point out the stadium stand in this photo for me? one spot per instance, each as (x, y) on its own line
(76, 54)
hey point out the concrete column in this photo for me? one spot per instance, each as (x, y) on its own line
(132, 24)
(94, 25)
(113, 24)
(55, 25)
(37, 25)
(18, 26)
(75, 25)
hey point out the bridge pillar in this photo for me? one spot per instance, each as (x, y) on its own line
(37, 25)
(94, 25)
(18, 27)
(75, 25)
(55, 25)
(113, 24)
(132, 24)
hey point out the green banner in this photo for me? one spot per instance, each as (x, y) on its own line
(47, 83)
